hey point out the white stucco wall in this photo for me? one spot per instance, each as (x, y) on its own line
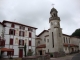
(15, 45)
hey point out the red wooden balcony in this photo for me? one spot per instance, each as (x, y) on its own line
(2, 42)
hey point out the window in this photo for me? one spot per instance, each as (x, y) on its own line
(21, 42)
(12, 25)
(12, 32)
(38, 42)
(30, 29)
(52, 39)
(30, 35)
(54, 15)
(21, 33)
(29, 43)
(64, 39)
(47, 40)
(11, 41)
(22, 27)
(69, 40)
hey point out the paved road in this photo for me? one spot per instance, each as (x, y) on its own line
(76, 57)
(68, 57)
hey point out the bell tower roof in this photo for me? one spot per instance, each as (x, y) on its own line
(54, 15)
(53, 10)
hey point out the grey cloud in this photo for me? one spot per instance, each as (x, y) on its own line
(37, 12)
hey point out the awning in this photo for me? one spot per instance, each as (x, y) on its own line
(6, 49)
(70, 45)
(41, 46)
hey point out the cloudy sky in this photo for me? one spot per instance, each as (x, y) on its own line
(36, 13)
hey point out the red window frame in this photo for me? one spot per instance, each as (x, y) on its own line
(12, 25)
(21, 42)
(30, 35)
(30, 29)
(29, 43)
(11, 41)
(11, 32)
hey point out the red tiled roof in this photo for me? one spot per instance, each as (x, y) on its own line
(6, 49)
(41, 46)
(71, 45)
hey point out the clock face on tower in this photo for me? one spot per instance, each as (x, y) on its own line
(55, 23)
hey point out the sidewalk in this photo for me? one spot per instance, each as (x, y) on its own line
(67, 57)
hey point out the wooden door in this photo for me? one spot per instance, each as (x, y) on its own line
(20, 53)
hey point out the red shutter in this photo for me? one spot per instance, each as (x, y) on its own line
(11, 41)
(29, 43)
(23, 33)
(30, 34)
(19, 42)
(14, 32)
(8, 53)
(22, 42)
(12, 25)
(19, 33)
(20, 27)
(3, 42)
(9, 31)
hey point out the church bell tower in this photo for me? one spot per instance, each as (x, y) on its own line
(55, 33)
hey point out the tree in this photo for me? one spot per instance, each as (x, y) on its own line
(25, 49)
(76, 33)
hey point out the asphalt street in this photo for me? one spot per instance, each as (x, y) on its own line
(76, 57)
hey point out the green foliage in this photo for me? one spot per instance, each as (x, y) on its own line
(51, 55)
(76, 33)
(29, 53)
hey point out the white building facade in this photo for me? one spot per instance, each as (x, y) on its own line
(53, 40)
(16, 35)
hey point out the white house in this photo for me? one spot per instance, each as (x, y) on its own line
(15, 36)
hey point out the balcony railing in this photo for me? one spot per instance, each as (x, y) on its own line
(2, 42)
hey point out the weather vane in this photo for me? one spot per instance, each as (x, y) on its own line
(53, 5)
